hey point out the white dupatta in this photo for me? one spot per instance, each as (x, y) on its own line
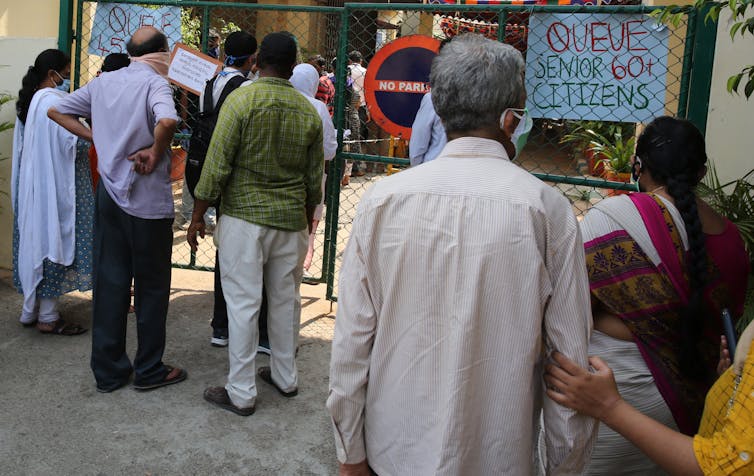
(46, 193)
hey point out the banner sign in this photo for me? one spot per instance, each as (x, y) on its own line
(596, 66)
(114, 23)
(191, 69)
(396, 80)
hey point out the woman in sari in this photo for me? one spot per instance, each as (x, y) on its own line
(662, 265)
(52, 200)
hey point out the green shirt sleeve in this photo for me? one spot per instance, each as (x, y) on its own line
(222, 151)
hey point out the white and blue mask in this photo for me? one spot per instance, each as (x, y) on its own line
(65, 86)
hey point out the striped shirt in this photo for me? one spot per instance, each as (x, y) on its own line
(459, 276)
(265, 158)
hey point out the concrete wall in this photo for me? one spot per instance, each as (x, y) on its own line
(729, 139)
(26, 28)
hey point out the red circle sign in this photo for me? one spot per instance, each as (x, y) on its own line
(396, 81)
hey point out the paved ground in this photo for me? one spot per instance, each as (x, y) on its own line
(54, 422)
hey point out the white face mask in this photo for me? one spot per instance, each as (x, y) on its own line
(521, 134)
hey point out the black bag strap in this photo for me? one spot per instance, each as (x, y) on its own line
(207, 105)
(232, 84)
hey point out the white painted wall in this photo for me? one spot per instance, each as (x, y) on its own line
(16, 55)
(730, 125)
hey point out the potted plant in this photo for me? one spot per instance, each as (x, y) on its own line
(584, 134)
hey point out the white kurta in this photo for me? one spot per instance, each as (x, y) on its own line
(46, 193)
(458, 277)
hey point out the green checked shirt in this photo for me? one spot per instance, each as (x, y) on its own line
(265, 158)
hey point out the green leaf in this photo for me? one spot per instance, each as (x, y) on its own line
(734, 29)
(749, 88)
(733, 82)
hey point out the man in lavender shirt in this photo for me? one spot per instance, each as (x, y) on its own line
(134, 119)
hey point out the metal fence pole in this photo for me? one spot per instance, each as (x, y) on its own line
(336, 165)
(701, 68)
(65, 26)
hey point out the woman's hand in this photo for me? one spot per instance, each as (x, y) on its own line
(593, 394)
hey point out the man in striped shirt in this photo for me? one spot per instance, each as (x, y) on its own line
(265, 160)
(459, 277)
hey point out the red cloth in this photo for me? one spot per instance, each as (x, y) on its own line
(93, 166)
(326, 92)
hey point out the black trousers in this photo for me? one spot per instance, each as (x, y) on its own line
(126, 248)
(220, 314)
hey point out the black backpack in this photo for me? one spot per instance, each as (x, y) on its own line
(203, 128)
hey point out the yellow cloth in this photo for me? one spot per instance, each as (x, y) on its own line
(725, 443)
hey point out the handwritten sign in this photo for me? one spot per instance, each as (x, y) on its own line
(114, 23)
(596, 66)
(191, 69)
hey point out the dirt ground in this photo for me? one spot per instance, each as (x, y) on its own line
(53, 422)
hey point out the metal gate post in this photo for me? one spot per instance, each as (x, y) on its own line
(336, 166)
(701, 68)
(65, 26)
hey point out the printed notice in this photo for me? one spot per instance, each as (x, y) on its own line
(596, 66)
(191, 69)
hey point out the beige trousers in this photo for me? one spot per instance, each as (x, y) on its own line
(250, 255)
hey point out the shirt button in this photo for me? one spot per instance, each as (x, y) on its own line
(744, 456)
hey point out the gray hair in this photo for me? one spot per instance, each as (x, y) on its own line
(474, 80)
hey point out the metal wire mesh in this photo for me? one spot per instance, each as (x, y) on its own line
(563, 147)
(105, 28)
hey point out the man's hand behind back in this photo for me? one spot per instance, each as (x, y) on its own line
(145, 160)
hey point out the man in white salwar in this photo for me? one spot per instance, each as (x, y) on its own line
(460, 276)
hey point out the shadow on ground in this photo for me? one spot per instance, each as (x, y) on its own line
(54, 422)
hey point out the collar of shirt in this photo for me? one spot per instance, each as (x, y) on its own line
(229, 70)
(271, 80)
(474, 147)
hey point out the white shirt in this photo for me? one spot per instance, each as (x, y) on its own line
(427, 134)
(217, 88)
(458, 277)
(358, 73)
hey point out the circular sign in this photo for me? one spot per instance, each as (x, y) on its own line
(396, 80)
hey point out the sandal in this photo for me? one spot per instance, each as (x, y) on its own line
(174, 375)
(61, 328)
(265, 373)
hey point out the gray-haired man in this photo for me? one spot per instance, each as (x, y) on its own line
(444, 375)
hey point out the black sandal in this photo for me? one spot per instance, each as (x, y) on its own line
(61, 328)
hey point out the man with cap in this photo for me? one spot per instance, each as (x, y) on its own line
(265, 161)
(240, 48)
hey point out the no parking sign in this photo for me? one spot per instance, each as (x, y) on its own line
(396, 80)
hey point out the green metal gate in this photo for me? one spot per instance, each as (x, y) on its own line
(553, 153)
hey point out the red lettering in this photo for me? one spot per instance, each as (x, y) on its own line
(165, 22)
(117, 20)
(583, 46)
(555, 37)
(635, 60)
(638, 33)
(622, 37)
(619, 72)
(145, 19)
(597, 39)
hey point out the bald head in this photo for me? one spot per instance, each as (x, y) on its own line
(145, 40)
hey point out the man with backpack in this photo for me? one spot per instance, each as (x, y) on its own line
(240, 48)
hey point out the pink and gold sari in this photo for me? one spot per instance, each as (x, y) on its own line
(636, 252)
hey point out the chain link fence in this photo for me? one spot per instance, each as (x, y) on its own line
(594, 75)
(589, 91)
(104, 27)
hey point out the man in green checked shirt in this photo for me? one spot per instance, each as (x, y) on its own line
(265, 160)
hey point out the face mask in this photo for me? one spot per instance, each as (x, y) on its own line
(65, 86)
(521, 134)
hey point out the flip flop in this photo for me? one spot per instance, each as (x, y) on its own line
(62, 328)
(178, 375)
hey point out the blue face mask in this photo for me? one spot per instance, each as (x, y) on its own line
(65, 86)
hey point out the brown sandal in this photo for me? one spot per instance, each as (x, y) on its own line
(174, 375)
(61, 328)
